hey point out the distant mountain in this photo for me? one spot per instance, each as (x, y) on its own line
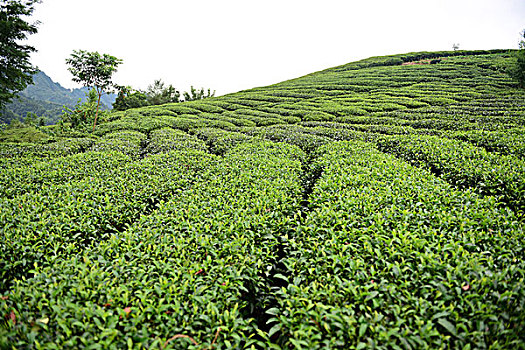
(46, 99)
(20, 106)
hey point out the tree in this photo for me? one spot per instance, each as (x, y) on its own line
(82, 113)
(31, 119)
(517, 69)
(93, 70)
(158, 94)
(195, 94)
(129, 98)
(16, 72)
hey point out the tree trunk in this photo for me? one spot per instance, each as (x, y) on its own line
(96, 114)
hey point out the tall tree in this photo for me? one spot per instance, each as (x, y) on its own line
(16, 72)
(94, 70)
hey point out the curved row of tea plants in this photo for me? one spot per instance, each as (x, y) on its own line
(464, 166)
(189, 273)
(178, 226)
(64, 218)
(390, 256)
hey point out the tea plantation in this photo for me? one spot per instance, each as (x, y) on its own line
(375, 205)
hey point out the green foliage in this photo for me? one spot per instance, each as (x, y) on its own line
(93, 70)
(128, 98)
(23, 133)
(158, 94)
(389, 256)
(219, 141)
(464, 166)
(193, 284)
(167, 139)
(126, 142)
(83, 113)
(15, 69)
(374, 205)
(517, 69)
(195, 94)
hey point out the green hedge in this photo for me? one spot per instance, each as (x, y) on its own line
(126, 141)
(166, 139)
(15, 181)
(194, 268)
(220, 141)
(390, 257)
(464, 166)
(62, 219)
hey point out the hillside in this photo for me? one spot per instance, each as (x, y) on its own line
(378, 204)
(46, 99)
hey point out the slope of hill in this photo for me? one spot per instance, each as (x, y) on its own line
(45, 89)
(46, 99)
(379, 204)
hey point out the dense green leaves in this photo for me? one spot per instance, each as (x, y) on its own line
(465, 166)
(377, 204)
(16, 72)
(391, 256)
(188, 268)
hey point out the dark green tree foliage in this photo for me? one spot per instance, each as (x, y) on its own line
(156, 94)
(15, 69)
(129, 98)
(195, 94)
(159, 94)
(82, 113)
(93, 70)
(517, 70)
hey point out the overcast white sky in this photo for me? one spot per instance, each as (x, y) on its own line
(231, 45)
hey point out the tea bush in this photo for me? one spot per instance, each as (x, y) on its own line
(464, 166)
(378, 204)
(389, 256)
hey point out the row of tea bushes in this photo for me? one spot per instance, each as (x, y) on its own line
(187, 276)
(511, 142)
(15, 181)
(126, 141)
(312, 135)
(464, 165)
(367, 128)
(391, 257)
(12, 155)
(220, 141)
(62, 219)
(167, 139)
(291, 134)
(132, 121)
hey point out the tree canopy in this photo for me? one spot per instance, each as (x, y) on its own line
(93, 70)
(16, 71)
(129, 98)
(196, 94)
(157, 93)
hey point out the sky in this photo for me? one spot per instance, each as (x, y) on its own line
(232, 45)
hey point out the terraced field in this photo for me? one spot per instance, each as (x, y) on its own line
(379, 204)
